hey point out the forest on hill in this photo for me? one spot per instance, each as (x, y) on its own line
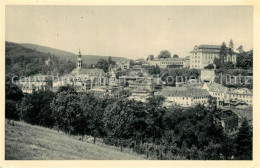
(23, 61)
(87, 59)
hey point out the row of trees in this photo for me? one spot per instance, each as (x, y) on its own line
(163, 54)
(244, 58)
(147, 128)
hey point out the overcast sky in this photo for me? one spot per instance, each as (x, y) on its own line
(129, 31)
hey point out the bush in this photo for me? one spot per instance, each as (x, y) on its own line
(11, 111)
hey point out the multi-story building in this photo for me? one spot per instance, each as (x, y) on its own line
(184, 97)
(217, 91)
(169, 62)
(204, 55)
(241, 94)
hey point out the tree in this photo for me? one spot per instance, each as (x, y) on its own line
(164, 54)
(245, 60)
(154, 70)
(154, 118)
(231, 47)
(116, 120)
(13, 97)
(11, 111)
(228, 65)
(210, 66)
(223, 52)
(35, 108)
(243, 142)
(102, 64)
(91, 120)
(175, 56)
(240, 49)
(13, 92)
(217, 62)
(150, 57)
(67, 112)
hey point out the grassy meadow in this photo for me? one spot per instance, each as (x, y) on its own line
(28, 142)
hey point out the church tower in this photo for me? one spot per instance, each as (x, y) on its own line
(79, 62)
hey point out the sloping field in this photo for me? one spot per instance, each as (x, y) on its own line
(28, 142)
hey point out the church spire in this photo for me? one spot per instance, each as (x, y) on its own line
(79, 53)
(79, 61)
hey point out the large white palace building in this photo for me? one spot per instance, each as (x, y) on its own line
(204, 55)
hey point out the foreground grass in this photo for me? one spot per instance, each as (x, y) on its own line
(28, 142)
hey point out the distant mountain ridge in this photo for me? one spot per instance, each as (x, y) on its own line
(87, 59)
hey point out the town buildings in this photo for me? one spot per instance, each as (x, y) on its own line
(81, 78)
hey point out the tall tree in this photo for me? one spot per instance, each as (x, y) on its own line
(240, 49)
(243, 142)
(231, 47)
(223, 52)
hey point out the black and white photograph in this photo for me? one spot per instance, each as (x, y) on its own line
(128, 82)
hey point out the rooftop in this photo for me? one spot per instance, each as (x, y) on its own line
(91, 72)
(216, 87)
(184, 92)
(206, 46)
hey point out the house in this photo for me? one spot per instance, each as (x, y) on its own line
(241, 94)
(185, 97)
(217, 91)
